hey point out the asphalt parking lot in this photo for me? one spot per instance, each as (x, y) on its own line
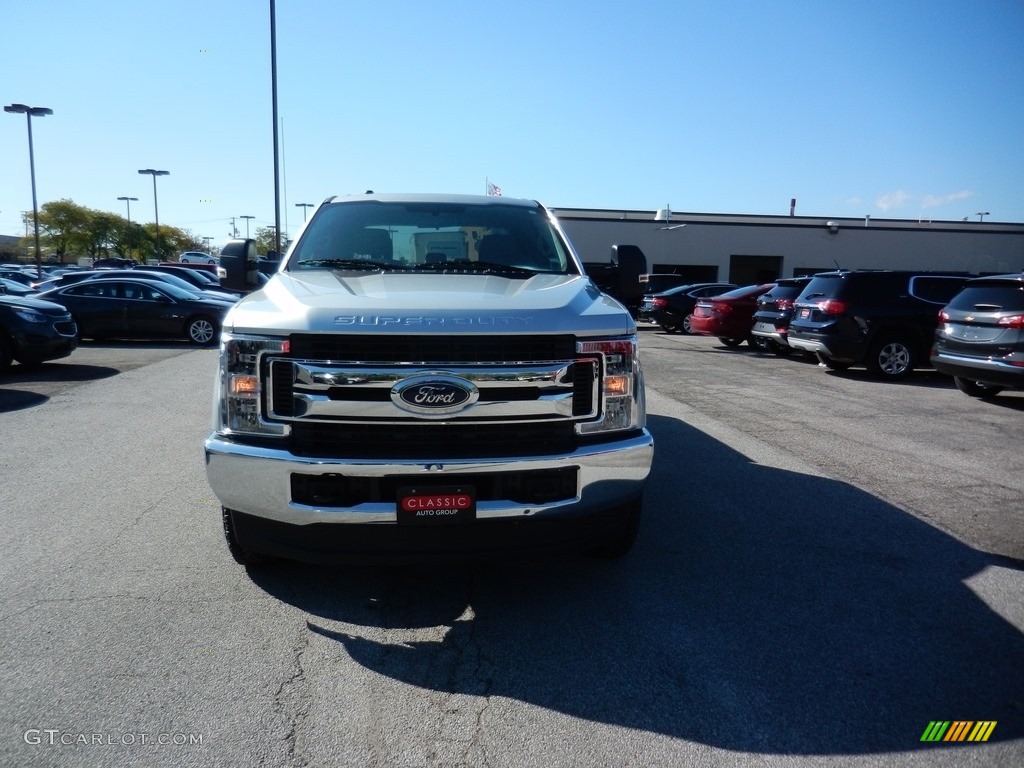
(826, 565)
(22, 387)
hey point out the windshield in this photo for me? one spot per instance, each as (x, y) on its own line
(371, 235)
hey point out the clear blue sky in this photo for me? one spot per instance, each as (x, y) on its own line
(900, 110)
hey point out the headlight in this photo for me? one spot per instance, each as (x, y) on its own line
(621, 385)
(240, 396)
(30, 315)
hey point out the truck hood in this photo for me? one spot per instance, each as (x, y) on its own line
(403, 302)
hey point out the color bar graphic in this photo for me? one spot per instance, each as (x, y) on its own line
(958, 730)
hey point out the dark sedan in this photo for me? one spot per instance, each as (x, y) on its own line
(133, 308)
(172, 277)
(33, 331)
(672, 309)
(729, 316)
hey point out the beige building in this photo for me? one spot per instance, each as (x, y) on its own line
(747, 249)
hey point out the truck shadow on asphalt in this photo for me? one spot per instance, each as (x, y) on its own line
(784, 614)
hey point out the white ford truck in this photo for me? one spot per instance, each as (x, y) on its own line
(428, 374)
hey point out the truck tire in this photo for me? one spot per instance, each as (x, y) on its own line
(620, 541)
(241, 555)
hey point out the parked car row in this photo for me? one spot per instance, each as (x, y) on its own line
(673, 308)
(139, 307)
(154, 302)
(890, 322)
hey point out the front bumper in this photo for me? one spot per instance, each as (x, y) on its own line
(257, 481)
(38, 348)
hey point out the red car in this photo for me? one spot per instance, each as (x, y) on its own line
(729, 316)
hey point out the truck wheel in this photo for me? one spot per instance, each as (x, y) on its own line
(620, 541)
(201, 331)
(238, 552)
(976, 388)
(891, 358)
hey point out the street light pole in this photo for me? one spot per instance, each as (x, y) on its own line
(30, 112)
(304, 206)
(273, 101)
(247, 224)
(128, 202)
(981, 215)
(156, 209)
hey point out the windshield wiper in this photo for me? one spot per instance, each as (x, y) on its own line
(367, 265)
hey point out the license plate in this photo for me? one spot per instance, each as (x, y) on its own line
(436, 505)
(805, 313)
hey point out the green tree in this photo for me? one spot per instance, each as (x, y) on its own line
(264, 238)
(63, 224)
(173, 241)
(101, 232)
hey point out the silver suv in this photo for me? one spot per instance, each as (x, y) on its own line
(980, 338)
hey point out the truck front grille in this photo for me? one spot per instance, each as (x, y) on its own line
(431, 440)
(334, 392)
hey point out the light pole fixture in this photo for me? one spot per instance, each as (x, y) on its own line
(304, 206)
(982, 214)
(247, 224)
(156, 209)
(128, 202)
(30, 112)
(273, 109)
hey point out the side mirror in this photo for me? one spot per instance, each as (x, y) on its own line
(238, 261)
(632, 263)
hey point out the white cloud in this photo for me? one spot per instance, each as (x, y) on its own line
(892, 200)
(937, 201)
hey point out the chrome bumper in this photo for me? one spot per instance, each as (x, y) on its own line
(257, 480)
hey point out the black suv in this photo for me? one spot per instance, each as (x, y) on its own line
(980, 338)
(882, 319)
(32, 331)
(774, 312)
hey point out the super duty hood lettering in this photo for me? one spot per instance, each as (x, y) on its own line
(434, 321)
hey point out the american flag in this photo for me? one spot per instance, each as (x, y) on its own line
(493, 189)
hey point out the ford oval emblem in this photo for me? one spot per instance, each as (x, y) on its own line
(434, 394)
